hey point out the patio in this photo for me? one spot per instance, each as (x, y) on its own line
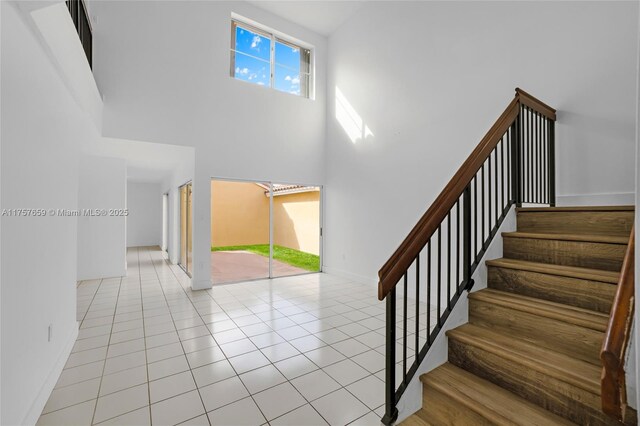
(234, 266)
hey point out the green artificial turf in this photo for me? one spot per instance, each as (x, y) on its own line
(300, 259)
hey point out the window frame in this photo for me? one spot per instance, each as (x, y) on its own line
(273, 37)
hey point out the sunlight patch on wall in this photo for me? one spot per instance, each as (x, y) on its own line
(351, 122)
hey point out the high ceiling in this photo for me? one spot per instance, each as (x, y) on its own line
(322, 17)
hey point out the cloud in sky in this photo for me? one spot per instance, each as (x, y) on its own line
(256, 41)
(242, 71)
(294, 80)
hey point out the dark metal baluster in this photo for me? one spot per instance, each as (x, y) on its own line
(458, 286)
(489, 194)
(545, 162)
(439, 260)
(534, 159)
(476, 234)
(530, 148)
(417, 307)
(516, 160)
(482, 207)
(429, 292)
(391, 412)
(466, 235)
(520, 157)
(539, 158)
(552, 163)
(495, 179)
(404, 331)
(503, 183)
(510, 164)
(449, 261)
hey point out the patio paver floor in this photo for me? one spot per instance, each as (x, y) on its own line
(232, 266)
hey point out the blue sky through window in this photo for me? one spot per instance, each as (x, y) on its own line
(252, 62)
(287, 73)
(253, 55)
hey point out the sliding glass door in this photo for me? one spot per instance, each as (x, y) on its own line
(296, 229)
(263, 230)
(186, 252)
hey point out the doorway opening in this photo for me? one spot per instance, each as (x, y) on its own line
(264, 230)
(186, 253)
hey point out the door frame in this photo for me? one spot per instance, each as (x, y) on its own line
(185, 268)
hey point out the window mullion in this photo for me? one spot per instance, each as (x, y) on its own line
(273, 61)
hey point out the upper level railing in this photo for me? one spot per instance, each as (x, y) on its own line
(81, 20)
(614, 346)
(513, 164)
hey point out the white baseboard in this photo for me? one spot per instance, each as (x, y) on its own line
(346, 274)
(613, 199)
(38, 405)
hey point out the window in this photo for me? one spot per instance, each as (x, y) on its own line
(262, 58)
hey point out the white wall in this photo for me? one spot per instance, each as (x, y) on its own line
(632, 382)
(102, 239)
(144, 221)
(167, 82)
(41, 134)
(428, 79)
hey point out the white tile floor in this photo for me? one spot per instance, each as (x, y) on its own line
(305, 350)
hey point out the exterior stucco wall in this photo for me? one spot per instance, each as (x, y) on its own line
(240, 216)
(296, 221)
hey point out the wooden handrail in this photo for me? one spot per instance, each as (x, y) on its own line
(401, 259)
(617, 337)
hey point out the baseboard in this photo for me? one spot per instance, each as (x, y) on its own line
(38, 405)
(613, 199)
(346, 274)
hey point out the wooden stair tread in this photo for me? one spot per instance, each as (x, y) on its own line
(558, 311)
(493, 402)
(576, 372)
(608, 239)
(561, 270)
(577, 209)
(414, 420)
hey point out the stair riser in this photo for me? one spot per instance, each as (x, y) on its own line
(440, 409)
(594, 295)
(604, 256)
(587, 222)
(570, 339)
(559, 397)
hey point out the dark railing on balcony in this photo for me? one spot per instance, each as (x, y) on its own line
(513, 164)
(80, 19)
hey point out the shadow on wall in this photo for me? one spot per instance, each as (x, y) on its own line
(240, 216)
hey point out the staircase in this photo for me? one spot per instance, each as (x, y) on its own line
(530, 354)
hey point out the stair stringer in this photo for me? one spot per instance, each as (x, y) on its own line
(411, 400)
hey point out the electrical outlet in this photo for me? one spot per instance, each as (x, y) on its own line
(50, 333)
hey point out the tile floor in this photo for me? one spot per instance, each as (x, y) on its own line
(304, 350)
